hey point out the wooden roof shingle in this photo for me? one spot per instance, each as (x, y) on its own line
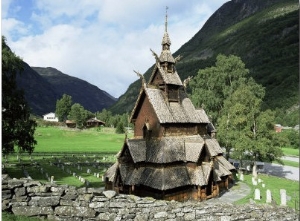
(175, 112)
(166, 149)
(213, 147)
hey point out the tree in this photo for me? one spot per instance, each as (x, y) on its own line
(234, 102)
(244, 126)
(105, 116)
(120, 128)
(63, 107)
(214, 84)
(78, 114)
(17, 127)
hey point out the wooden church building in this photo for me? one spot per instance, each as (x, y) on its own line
(174, 154)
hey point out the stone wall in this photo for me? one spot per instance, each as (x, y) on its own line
(53, 202)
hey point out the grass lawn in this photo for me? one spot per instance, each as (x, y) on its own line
(289, 163)
(60, 139)
(274, 184)
(287, 151)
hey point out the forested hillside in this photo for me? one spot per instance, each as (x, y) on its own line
(265, 34)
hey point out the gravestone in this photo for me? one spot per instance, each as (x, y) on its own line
(74, 174)
(242, 177)
(263, 185)
(257, 194)
(254, 182)
(282, 197)
(88, 171)
(254, 171)
(52, 179)
(259, 181)
(268, 196)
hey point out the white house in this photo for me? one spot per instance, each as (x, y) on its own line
(50, 117)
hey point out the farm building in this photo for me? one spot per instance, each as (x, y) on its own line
(174, 154)
(50, 117)
(94, 122)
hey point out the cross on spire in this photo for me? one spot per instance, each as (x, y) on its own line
(166, 22)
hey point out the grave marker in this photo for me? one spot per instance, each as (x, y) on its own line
(52, 179)
(269, 196)
(257, 194)
(282, 197)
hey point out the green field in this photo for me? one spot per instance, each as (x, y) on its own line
(61, 139)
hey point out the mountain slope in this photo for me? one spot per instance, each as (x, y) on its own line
(89, 96)
(263, 33)
(44, 86)
(39, 93)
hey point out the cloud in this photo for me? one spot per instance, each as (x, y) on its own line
(101, 42)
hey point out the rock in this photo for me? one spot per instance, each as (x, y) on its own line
(109, 193)
(44, 201)
(75, 211)
(32, 210)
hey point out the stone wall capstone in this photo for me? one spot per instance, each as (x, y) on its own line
(53, 202)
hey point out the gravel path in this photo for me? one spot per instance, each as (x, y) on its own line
(238, 191)
(288, 172)
(295, 159)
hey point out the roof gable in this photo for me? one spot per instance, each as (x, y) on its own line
(175, 112)
(168, 77)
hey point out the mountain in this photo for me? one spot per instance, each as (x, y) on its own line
(265, 34)
(44, 86)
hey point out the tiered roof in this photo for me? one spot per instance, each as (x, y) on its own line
(163, 163)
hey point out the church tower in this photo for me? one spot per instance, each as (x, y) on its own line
(173, 154)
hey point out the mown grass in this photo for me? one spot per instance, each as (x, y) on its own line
(274, 184)
(289, 163)
(287, 151)
(55, 139)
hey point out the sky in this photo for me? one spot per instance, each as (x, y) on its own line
(100, 41)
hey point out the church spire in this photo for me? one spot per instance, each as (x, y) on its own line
(166, 22)
(166, 39)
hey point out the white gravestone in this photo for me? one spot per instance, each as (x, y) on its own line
(242, 177)
(282, 197)
(269, 196)
(257, 194)
(52, 179)
(254, 182)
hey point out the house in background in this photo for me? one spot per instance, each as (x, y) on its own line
(50, 117)
(70, 124)
(94, 122)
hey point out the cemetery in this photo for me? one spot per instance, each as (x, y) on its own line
(80, 169)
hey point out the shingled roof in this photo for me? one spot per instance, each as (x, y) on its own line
(173, 112)
(165, 178)
(166, 149)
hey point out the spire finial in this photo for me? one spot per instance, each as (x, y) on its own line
(166, 22)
